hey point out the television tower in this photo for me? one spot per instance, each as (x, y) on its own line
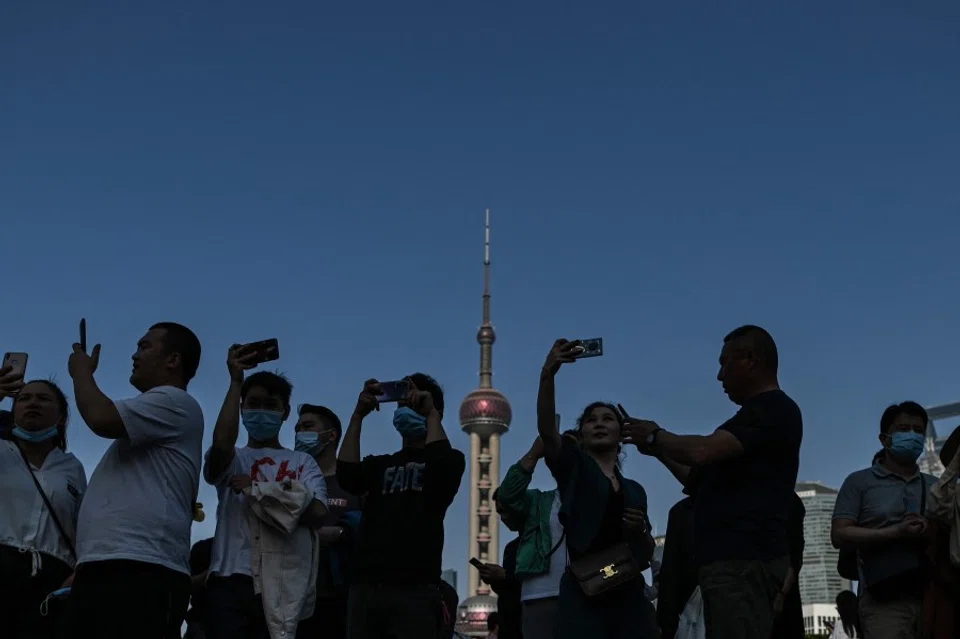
(485, 415)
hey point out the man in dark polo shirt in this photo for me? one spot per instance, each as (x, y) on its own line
(746, 473)
(879, 513)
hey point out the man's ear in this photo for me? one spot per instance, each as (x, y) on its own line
(286, 411)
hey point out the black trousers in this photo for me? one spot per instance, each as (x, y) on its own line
(394, 611)
(22, 593)
(121, 599)
(235, 611)
(329, 619)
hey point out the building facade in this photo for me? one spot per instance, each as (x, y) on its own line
(819, 580)
(450, 576)
(819, 619)
(930, 460)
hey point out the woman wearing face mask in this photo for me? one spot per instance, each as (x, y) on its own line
(603, 515)
(318, 434)
(261, 402)
(37, 530)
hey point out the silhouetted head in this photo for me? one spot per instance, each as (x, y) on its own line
(167, 355)
(748, 363)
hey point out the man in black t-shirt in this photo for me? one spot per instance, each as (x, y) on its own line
(746, 477)
(318, 434)
(394, 590)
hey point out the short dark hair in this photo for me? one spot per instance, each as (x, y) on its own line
(893, 411)
(276, 384)
(180, 339)
(426, 383)
(324, 413)
(761, 341)
(62, 404)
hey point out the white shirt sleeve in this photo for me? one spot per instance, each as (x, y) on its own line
(153, 417)
(312, 478)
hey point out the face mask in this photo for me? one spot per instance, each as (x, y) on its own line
(309, 442)
(262, 425)
(907, 446)
(409, 423)
(34, 435)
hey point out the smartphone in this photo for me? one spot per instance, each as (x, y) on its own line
(83, 334)
(393, 391)
(476, 563)
(18, 361)
(266, 351)
(623, 411)
(592, 347)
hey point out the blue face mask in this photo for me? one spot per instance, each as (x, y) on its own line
(907, 446)
(409, 423)
(262, 425)
(309, 442)
(34, 435)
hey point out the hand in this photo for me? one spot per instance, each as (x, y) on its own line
(239, 483)
(10, 383)
(418, 400)
(636, 431)
(778, 603)
(367, 402)
(82, 364)
(491, 573)
(562, 352)
(912, 527)
(239, 361)
(635, 519)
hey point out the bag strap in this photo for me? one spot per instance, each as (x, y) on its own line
(46, 501)
(563, 536)
(923, 495)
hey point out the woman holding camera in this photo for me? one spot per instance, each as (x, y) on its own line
(603, 515)
(42, 488)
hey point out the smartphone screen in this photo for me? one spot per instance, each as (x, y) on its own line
(393, 391)
(266, 351)
(83, 335)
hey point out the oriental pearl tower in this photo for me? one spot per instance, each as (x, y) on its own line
(485, 415)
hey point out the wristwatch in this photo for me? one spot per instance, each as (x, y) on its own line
(652, 437)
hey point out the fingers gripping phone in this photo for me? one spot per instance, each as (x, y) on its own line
(266, 351)
(17, 362)
(393, 391)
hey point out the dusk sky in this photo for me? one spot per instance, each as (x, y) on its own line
(657, 174)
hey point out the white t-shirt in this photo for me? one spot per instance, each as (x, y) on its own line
(139, 505)
(231, 542)
(548, 584)
(25, 522)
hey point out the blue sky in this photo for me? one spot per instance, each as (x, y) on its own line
(657, 175)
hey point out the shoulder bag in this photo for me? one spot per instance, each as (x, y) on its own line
(46, 501)
(606, 569)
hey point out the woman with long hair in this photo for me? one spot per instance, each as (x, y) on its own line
(42, 488)
(848, 625)
(603, 516)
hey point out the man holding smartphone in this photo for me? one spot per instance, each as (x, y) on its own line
(133, 531)
(395, 592)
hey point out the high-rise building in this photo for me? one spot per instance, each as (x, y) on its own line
(819, 580)
(930, 460)
(450, 576)
(485, 415)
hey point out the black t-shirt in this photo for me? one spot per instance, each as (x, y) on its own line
(743, 505)
(339, 502)
(611, 526)
(406, 498)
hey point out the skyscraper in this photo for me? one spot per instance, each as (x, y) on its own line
(485, 415)
(930, 461)
(819, 580)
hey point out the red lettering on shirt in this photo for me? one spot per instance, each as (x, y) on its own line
(283, 472)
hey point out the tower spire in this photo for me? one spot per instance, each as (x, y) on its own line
(486, 335)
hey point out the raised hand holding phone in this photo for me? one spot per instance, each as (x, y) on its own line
(81, 363)
(12, 371)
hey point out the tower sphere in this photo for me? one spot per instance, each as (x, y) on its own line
(485, 411)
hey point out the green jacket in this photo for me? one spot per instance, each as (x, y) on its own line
(532, 507)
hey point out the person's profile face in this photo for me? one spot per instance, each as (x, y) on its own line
(600, 429)
(736, 366)
(149, 360)
(310, 422)
(36, 407)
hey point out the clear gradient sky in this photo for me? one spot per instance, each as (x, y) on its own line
(658, 173)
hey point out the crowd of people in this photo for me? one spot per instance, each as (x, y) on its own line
(321, 542)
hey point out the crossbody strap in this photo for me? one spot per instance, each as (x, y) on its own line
(563, 536)
(46, 501)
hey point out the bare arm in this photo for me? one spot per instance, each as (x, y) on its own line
(680, 471)
(547, 418)
(98, 411)
(350, 448)
(697, 450)
(435, 432)
(314, 515)
(845, 533)
(225, 432)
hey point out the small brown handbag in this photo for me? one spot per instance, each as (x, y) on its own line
(601, 571)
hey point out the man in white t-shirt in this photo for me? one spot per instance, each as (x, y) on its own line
(133, 531)
(262, 403)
